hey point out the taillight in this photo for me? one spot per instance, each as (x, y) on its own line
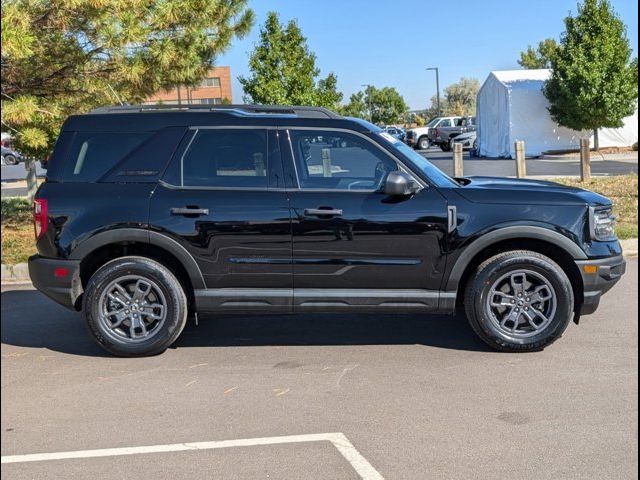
(40, 217)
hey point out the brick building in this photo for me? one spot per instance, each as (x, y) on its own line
(215, 88)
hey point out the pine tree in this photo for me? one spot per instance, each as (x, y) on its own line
(62, 57)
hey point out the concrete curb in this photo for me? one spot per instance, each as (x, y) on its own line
(20, 273)
(630, 247)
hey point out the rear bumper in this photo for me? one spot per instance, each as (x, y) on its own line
(57, 279)
(608, 272)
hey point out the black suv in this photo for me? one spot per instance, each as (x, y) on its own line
(152, 214)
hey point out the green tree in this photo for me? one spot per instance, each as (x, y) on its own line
(284, 72)
(386, 104)
(380, 105)
(459, 99)
(62, 57)
(357, 106)
(594, 80)
(540, 56)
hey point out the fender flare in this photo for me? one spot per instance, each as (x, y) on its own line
(508, 233)
(143, 236)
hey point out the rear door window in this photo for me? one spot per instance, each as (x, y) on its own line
(92, 154)
(223, 158)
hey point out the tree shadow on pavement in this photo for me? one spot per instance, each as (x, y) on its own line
(29, 319)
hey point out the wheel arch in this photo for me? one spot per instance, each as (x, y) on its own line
(106, 246)
(547, 242)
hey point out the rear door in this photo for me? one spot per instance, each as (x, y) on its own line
(223, 199)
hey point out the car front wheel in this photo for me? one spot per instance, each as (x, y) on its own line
(519, 301)
(423, 143)
(134, 306)
(10, 160)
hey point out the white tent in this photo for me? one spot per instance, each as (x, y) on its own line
(511, 106)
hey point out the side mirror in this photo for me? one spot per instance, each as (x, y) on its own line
(400, 184)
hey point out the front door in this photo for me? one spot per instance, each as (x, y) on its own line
(223, 199)
(355, 248)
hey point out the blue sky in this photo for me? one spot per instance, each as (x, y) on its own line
(386, 43)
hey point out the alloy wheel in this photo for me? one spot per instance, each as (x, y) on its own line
(132, 308)
(521, 303)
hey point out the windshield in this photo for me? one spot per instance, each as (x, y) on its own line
(433, 122)
(433, 173)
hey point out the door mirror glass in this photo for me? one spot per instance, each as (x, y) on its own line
(400, 184)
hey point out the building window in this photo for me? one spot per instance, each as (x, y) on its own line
(211, 82)
(210, 101)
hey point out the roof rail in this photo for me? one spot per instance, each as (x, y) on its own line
(302, 112)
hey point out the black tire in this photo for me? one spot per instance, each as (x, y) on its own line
(482, 319)
(445, 147)
(10, 160)
(169, 288)
(423, 143)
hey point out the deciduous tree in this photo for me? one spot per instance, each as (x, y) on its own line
(284, 71)
(539, 57)
(382, 106)
(594, 81)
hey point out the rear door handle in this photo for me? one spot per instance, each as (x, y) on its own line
(189, 211)
(323, 212)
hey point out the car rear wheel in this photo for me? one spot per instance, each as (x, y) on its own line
(519, 301)
(424, 143)
(134, 306)
(10, 160)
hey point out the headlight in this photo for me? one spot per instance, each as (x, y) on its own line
(602, 223)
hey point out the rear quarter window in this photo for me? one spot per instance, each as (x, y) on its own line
(92, 154)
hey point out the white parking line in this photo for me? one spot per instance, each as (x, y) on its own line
(339, 440)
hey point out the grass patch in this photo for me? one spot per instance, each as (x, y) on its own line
(18, 242)
(623, 191)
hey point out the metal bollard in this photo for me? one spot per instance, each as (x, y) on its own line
(457, 160)
(521, 163)
(32, 184)
(585, 160)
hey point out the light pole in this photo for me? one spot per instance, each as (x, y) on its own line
(437, 87)
(366, 87)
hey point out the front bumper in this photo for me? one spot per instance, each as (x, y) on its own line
(57, 279)
(606, 273)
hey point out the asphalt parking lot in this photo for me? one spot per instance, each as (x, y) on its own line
(414, 398)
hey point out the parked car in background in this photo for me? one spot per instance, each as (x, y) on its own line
(468, 140)
(396, 132)
(419, 137)
(10, 156)
(443, 134)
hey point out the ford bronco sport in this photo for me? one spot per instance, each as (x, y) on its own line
(151, 214)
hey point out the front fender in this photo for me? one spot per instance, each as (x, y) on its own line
(509, 233)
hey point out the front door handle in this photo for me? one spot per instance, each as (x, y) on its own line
(189, 211)
(323, 212)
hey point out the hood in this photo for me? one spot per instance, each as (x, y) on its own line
(526, 191)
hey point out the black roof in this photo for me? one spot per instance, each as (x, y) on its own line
(155, 117)
(247, 110)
